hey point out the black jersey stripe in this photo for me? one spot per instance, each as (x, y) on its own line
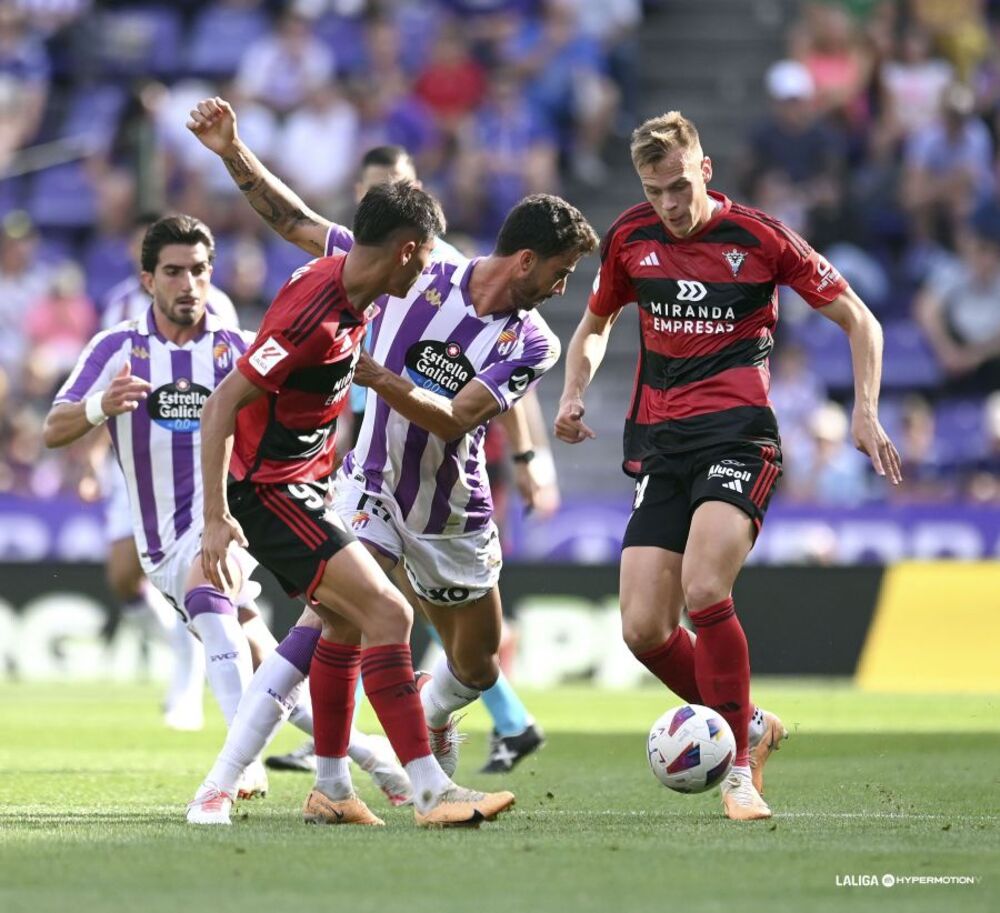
(302, 328)
(639, 211)
(794, 238)
(661, 372)
(306, 317)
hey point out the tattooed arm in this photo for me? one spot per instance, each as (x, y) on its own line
(214, 123)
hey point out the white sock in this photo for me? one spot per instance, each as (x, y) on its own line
(444, 694)
(428, 780)
(741, 770)
(361, 750)
(301, 716)
(756, 728)
(262, 712)
(187, 678)
(333, 777)
(227, 656)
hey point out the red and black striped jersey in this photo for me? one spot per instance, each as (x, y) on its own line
(304, 357)
(708, 306)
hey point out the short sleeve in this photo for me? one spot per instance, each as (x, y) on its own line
(296, 329)
(612, 287)
(536, 351)
(339, 240)
(808, 273)
(97, 364)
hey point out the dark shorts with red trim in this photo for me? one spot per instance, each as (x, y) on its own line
(740, 474)
(290, 529)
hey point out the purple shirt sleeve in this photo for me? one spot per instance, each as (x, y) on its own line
(511, 376)
(95, 366)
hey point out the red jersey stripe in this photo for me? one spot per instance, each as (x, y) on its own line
(726, 390)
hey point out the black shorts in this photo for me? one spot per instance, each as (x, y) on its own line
(289, 529)
(740, 474)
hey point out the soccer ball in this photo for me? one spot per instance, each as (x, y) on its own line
(690, 748)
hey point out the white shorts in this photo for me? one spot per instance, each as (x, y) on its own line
(444, 570)
(117, 513)
(171, 575)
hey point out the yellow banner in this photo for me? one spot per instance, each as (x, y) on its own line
(936, 628)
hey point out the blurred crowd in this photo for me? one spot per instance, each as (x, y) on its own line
(494, 99)
(880, 144)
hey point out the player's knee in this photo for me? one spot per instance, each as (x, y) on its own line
(390, 619)
(642, 635)
(480, 671)
(123, 583)
(701, 592)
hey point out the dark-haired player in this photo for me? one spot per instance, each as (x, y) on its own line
(700, 437)
(268, 428)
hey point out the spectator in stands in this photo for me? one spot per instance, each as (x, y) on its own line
(982, 483)
(797, 393)
(507, 152)
(453, 83)
(615, 25)
(959, 307)
(948, 168)
(60, 324)
(830, 471)
(283, 69)
(912, 85)
(928, 475)
(328, 121)
(24, 82)
(829, 44)
(23, 280)
(796, 159)
(566, 79)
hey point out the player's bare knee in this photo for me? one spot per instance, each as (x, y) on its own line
(123, 583)
(480, 672)
(642, 635)
(389, 619)
(702, 592)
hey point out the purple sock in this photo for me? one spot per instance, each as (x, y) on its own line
(204, 599)
(298, 647)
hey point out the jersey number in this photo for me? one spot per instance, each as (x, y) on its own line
(309, 498)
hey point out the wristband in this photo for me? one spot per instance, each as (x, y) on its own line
(544, 469)
(526, 457)
(94, 410)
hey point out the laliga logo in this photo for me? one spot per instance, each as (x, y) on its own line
(688, 290)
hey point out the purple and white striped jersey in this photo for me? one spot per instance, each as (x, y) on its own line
(159, 445)
(435, 338)
(128, 300)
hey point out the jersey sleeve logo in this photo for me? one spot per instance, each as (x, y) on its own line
(267, 356)
(519, 379)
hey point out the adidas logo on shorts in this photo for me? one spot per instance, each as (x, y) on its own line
(734, 485)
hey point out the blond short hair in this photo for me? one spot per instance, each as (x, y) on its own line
(659, 136)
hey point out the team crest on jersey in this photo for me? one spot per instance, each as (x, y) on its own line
(360, 520)
(506, 342)
(735, 260)
(433, 297)
(223, 356)
(140, 352)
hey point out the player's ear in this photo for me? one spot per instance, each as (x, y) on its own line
(406, 252)
(147, 281)
(706, 169)
(526, 260)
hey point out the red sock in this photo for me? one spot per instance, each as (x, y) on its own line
(333, 676)
(387, 673)
(672, 662)
(722, 668)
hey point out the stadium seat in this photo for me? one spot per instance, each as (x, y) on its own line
(93, 112)
(62, 197)
(908, 361)
(220, 35)
(137, 41)
(959, 430)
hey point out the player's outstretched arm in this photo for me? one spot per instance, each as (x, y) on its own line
(218, 424)
(583, 358)
(852, 315)
(66, 422)
(213, 121)
(445, 418)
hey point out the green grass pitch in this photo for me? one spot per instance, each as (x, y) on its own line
(92, 794)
